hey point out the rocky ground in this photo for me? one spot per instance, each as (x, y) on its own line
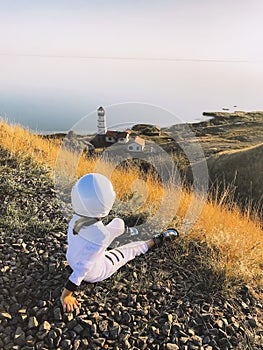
(170, 299)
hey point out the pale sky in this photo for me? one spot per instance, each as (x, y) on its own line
(220, 29)
(211, 56)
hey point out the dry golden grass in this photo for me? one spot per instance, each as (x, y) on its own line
(243, 168)
(23, 143)
(238, 238)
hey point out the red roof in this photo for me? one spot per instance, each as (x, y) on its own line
(117, 134)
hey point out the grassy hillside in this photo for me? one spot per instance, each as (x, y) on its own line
(202, 292)
(224, 131)
(238, 238)
(242, 169)
(220, 138)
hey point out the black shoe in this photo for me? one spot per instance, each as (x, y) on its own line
(168, 235)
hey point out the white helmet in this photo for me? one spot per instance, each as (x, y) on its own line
(93, 196)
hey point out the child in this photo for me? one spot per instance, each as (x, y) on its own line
(88, 238)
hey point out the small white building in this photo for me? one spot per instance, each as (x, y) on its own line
(136, 145)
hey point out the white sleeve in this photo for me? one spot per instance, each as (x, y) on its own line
(81, 268)
(116, 227)
(79, 273)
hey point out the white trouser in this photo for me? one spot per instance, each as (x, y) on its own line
(111, 260)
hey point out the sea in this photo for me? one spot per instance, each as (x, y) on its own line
(56, 94)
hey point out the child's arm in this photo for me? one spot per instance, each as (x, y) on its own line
(116, 227)
(68, 302)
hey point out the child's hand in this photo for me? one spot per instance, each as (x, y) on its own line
(69, 303)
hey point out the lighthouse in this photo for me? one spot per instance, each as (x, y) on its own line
(102, 129)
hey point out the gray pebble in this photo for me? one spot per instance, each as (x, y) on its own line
(252, 321)
(20, 337)
(32, 322)
(57, 314)
(78, 329)
(170, 346)
(66, 344)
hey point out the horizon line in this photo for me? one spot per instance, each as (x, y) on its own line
(127, 58)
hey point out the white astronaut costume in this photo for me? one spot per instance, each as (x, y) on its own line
(87, 254)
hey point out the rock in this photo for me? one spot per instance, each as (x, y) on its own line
(20, 337)
(206, 340)
(166, 328)
(52, 267)
(142, 342)
(42, 311)
(206, 317)
(78, 329)
(85, 343)
(170, 346)
(71, 324)
(235, 323)
(184, 347)
(4, 315)
(245, 307)
(52, 335)
(57, 342)
(40, 346)
(99, 342)
(222, 334)
(68, 316)
(219, 323)
(86, 323)
(184, 340)
(42, 334)
(59, 329)
(66, 344)
(194, 347)
(93, 328)
(127, 344)
(224, 343)
(30, 341)
(42, 303)
(76, 344)
(115, 331)
(126, 317)
(191, 332)
(14, 308)
(5, 269)
(32, 322)
(252, 321)
(177, 325)
(196, 340)
(45, 326)
(170, 318)
(57, 314)
(7, 340)
(155, 331)
(230, 330)
(214, 331)
(154, 312)
(103, 325)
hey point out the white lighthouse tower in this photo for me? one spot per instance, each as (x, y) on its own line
(102, 129)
